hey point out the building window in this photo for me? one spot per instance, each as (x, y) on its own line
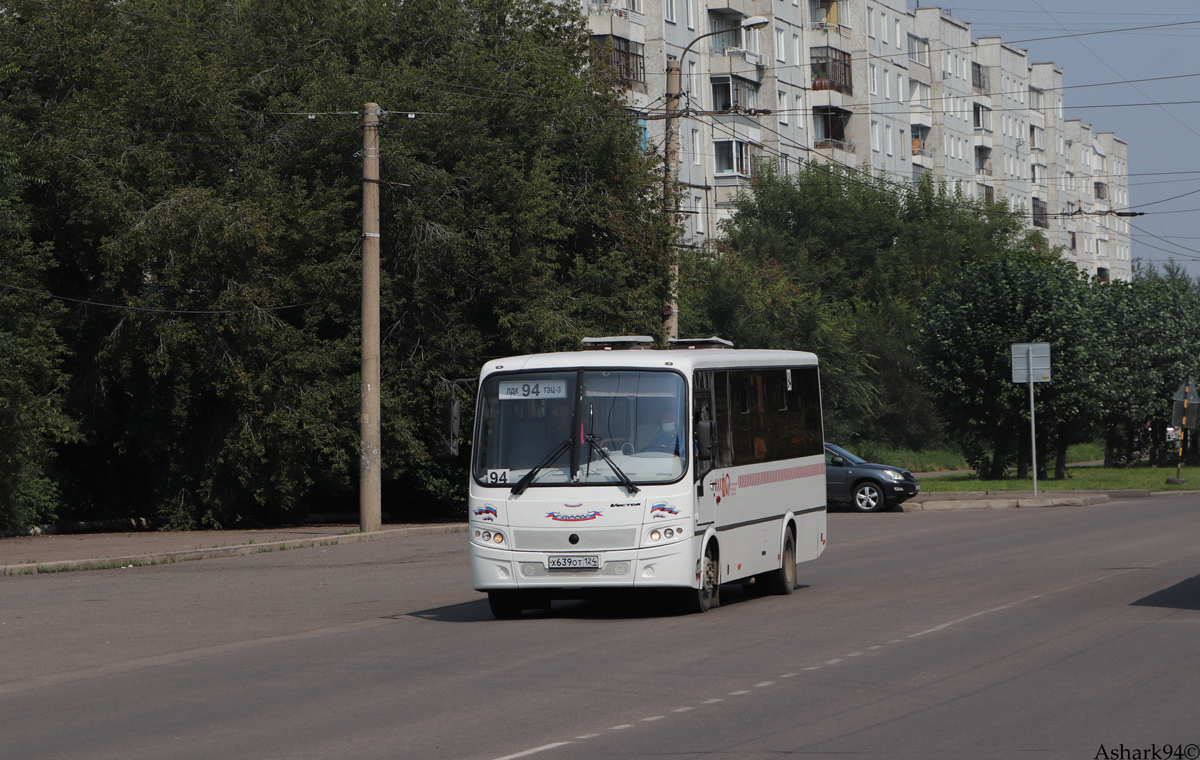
(829, 128)
(875, 136)
(887, 85)
(669, 10)
(887, 132)
(732, 157)
(983, 118)
(696, 147)
(691, 13)
(731, 93)
(783, 114)
(831, 70)
(882, 28)
(780, 49)
(897, 30)
(903, 150)
(698, 202)
(625, 56)
(1041, 216)
(918, 50)
(873, 79)
(979, 78)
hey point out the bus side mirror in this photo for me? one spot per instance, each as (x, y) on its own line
(704, 440)
(453, 415)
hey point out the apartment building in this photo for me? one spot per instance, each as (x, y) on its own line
(870, 84)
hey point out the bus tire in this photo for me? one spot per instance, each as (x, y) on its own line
(709, 594)
(783, 580)
(506, 605)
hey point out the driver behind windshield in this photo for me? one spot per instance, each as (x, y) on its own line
(668, 437)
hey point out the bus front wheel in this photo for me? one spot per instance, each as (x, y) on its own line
(506, 605)
(709, 593)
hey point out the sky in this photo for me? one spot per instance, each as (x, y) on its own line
(1097, 42)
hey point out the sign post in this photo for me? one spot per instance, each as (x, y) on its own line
(1183, 419)
(1031, 364)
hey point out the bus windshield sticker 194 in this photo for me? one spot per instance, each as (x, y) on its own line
(526, 389)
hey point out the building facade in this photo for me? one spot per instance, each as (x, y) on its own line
(872, 85)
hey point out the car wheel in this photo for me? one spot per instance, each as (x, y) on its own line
(783, 580)
(867, 497)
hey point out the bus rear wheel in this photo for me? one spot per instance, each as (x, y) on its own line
(783, 580)
(506, 605)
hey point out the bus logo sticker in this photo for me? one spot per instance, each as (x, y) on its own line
(563, 517)
(662, 510)
(487, 512)
(617, 504)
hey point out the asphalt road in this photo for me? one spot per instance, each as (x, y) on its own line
(1041, 633)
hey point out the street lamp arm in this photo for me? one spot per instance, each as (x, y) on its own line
(750, 22)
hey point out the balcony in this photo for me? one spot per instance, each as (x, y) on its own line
(984, 169)
(831, 144)
(618, 10)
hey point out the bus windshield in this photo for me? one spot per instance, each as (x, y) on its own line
(584, 427)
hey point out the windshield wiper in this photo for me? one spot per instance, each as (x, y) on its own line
(591, 439)
(523, 483)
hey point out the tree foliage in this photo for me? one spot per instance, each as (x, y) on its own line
(851, 256)
(200, 199)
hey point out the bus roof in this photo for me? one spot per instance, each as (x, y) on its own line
(683, 360)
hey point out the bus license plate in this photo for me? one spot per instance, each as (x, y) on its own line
(586, 562)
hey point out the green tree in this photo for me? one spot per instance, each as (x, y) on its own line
(967, 329)
(202, 195)
(865, 251)
(32, 416)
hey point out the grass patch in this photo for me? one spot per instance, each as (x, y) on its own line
(928, 460)
(1078, 479)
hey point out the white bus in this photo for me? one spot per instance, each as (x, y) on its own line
(629, 467)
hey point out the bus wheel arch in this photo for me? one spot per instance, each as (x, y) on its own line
(782, 580)
(707, 594)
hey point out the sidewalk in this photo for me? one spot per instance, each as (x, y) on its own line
(82, 551)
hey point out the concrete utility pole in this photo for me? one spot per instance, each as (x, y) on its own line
(370, 481)
(670, 177)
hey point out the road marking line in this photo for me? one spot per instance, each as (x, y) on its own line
(712, 701)
(683, 709)
(534, 751)
(587, 736)
(875, 647)
(896, 641)
(764, 684)
(814, 667)
(833, 662)
(621, 727)
(653, 718)
(789, 675)
(854, 654)
(737, 693)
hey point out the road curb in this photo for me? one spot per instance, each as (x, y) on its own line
(163, 558)
(941, 505)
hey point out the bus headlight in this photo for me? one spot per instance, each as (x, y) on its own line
(498, 537)
(655, 535)
(487, 535)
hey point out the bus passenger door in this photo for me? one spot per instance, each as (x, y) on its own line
(710, 403)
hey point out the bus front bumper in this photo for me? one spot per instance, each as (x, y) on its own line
(662, 566)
